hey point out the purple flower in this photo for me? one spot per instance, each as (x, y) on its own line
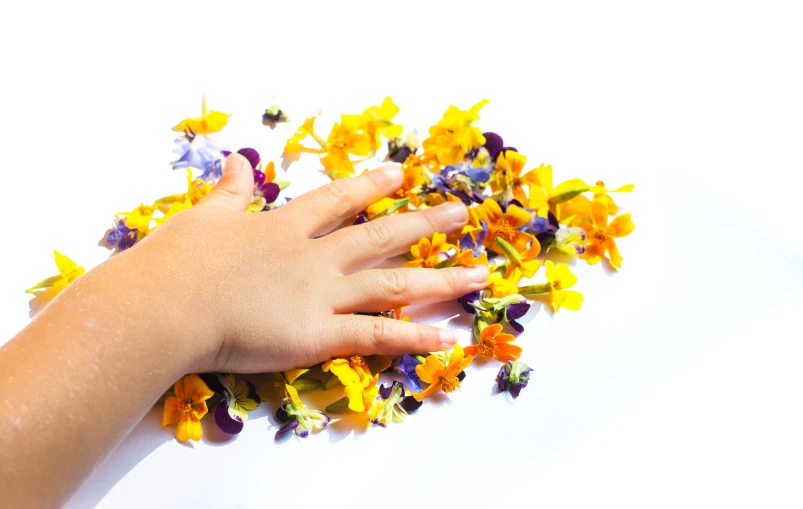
(515, 311)
(392, 405)
(407, 366)
(513, 377)
(495, 145)
(238, 398)
(468, 299)
(251, 154)
(201, 153)
(299, 418)
(121, 237)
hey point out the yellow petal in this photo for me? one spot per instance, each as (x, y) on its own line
(189, 428)
(171, 412)
(292, 374)
(354, 394)
(293, 393)
(564, 276)
(621, 226)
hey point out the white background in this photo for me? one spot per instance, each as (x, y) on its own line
(677, 385)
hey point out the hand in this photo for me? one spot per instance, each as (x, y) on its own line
(276, 290)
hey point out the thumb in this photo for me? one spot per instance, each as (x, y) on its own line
(235, 188)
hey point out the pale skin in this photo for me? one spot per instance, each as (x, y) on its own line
(214, 289)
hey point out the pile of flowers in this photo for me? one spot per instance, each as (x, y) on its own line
(520, 220)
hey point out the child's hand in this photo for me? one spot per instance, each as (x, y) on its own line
(261, 293)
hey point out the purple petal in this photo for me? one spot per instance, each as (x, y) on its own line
(516, 389)
(501, 378)
(362, 217)
(224, 421)
(384, 392)
(225, 153)
(259, 178)
(410, 404)
(270, 192)
(401, 155)
(407, 366)
(287, 427)
(252, 393)
(553, 220)
(304, 433)
(516, 326)
(517, 310)
(213, 382)
(461, 376)
(250, 154)
(281, 415)
(493, 144)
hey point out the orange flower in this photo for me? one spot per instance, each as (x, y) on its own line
(426, 253)
(495, 343)
(600, 234)
(504, 225)
(187, 407)
(441, 371)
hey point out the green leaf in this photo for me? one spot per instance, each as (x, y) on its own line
(303, 384)
(338, 406)
(45, 283)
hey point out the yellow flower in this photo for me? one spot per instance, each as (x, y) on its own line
(454, 135)
(69, 271)
(442, 371)
(466, 258)
(560, 277)
(506, 179)
(187, 407)
(600, 235)
(600, 192)
(140, 218)
(208, 123)
(378, 122)
(354, 374)
(350, 136)
(544, 197)
(495, 343)
(426, 254)
(501, 285)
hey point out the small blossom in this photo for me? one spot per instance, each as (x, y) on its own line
(294, 415)
(391, 405)
(442, 371)
(238, 399)
(495, 343)
(513, 377)
(187, 407)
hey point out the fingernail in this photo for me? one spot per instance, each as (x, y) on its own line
(234, 163)
(457, 212)
(394, 174)
(477, 274)
(448, 337)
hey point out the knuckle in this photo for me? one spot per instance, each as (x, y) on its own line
(427, 336)
(396, 283)
(379, 235)
(341, 200)
(455, 280)
(379, 333)
(435, 217)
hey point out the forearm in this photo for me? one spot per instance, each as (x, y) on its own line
(82, 374)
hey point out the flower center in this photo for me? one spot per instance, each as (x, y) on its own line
(486, 348)
(432, 261)
(185, 406)
(599, 235)
(449, 383)
(556, 285)
(504, 230)
(356, 361)
(600, 183)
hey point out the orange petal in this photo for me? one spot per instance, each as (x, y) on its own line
(488, 332)
(195, 389)
(171, 411)
(472, 349)
(517, 216)
(189, 428)
(599, 213)
(506, 352)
